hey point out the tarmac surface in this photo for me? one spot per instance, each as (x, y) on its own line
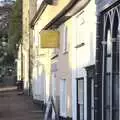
(18, 107)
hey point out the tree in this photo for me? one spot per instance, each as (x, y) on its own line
(15, 27)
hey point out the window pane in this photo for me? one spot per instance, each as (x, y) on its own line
(81, 99)
(80, 92)
(63, 98)
(107, 94)
(115, 77)
(81, 112)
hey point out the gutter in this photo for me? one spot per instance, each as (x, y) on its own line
(71, 9)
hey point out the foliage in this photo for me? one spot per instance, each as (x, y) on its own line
(15, 27)
(5, 58)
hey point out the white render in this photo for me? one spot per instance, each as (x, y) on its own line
(41, 68)
(83, 56)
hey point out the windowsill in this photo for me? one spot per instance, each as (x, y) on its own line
(79, 45)
(54, 56)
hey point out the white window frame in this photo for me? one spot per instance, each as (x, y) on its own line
(64, 37)
(80, 28)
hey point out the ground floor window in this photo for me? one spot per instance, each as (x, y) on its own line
(80, 99)
(63, 96)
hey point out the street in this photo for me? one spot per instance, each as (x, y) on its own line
(18, 107)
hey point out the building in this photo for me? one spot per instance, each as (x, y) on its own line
(107, 95)
(25, 54)
(40, 59)
(25, 44)
(84, 82)
(32, 11)
(67, 71)
(83, 63)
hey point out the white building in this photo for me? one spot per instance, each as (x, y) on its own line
(83, 63)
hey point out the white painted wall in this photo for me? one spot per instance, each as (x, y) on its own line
(41, 68)
(85, 23)
(38, 83)
(26, 69)
(19, 64)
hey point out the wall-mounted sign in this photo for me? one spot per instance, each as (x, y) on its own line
(49, 39)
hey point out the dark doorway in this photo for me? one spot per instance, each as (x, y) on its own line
(90, 92)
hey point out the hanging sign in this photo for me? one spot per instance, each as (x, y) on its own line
(49, 39)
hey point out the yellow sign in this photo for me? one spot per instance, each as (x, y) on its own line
(49, 39)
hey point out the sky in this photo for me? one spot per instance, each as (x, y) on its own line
(6, 0)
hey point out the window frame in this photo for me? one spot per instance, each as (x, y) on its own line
(64, 38)
(78, 113)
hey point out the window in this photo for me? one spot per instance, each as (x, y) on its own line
(36, 38)
(108, 81)
(63, 96)
(107, 95)
(54, 86)
(65, 39)
(111, 79)
(115, 77)
(80, 29)
(80, 99)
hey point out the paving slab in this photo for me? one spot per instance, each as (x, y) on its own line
(18, 107)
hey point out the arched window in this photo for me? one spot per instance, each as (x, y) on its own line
(108, 70)
(115, 68)
(110, 73)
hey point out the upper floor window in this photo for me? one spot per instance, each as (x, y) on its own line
(80, 29)
(65, 39)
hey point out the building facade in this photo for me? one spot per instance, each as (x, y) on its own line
(107, 95)
(70, 74)
(32, 11)
(83, 62)
(25, 44)
(25, 52)
(84, 82)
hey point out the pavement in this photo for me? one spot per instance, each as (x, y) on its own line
(18, 107)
